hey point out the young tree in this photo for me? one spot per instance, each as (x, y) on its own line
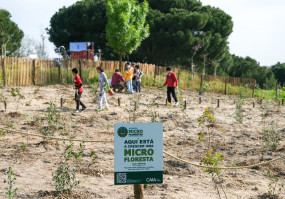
(10, 34)
(126, 26)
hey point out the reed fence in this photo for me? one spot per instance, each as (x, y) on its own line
(25, 71)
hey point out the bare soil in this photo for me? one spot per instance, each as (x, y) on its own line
(240, 144)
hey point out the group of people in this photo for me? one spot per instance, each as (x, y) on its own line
(132, 78)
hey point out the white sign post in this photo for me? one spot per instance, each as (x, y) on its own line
(138, 153)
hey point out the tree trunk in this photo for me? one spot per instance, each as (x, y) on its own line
(204, 70)
(3, 71)
(215, 71)
(276, 91)
(192, 68)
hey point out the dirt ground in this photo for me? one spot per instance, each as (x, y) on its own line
(240, 144)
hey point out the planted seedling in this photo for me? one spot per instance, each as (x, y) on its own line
(274, 187)
(2, 133)
(214, 160)
(64, 177)
(24, 147)
(11, 181)
(11, 124)
(206, 120)
(270, 136)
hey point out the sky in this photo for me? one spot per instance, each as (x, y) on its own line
(259, 27)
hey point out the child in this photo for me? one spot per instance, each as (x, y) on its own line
(129, 72)
(134, 82)
(102, 80)
(78, 90)
(138, 76)
(171, 82)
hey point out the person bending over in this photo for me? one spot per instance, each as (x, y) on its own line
(116, 79)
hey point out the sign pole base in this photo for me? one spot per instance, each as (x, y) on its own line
(139, 191)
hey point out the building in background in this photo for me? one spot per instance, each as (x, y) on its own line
(81, 50)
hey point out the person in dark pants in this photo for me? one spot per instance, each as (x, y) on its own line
(172, 83)
(138, 76)
(134, 77)
(78, 90)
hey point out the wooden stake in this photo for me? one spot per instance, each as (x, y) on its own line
(61, 102)
(282, 102)
(139, 191)
(279, 103)
(226, 83)
(276, 91)
(218, 105)
(119, 101)
(59, 74)
(185, 104)
(253, 103)
(3, 71)
(201, 83)
(5, 106)
(166, 102)
(200, 100)
(253, 90)
(34, 72)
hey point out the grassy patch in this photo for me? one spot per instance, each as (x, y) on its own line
(269, 94)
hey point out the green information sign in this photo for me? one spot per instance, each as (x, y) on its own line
(138, 153)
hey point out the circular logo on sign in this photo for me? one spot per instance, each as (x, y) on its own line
(122, 132)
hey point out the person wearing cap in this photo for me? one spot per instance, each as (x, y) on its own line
(129, 73)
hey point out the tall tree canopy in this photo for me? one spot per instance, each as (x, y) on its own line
(83, 21)
(172, 25)
(172, 33)
(10, 34)
(247, 67)
(126, 27)
(279, 72)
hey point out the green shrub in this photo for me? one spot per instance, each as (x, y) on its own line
(64, 177)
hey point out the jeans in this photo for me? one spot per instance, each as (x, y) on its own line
(138, 87)
(78, 101)
(130, 86)
(118, 88)
(171, 90)
(102, 98)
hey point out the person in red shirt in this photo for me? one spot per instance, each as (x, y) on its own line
(78, 90)
(172, 83)
(116, 79)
